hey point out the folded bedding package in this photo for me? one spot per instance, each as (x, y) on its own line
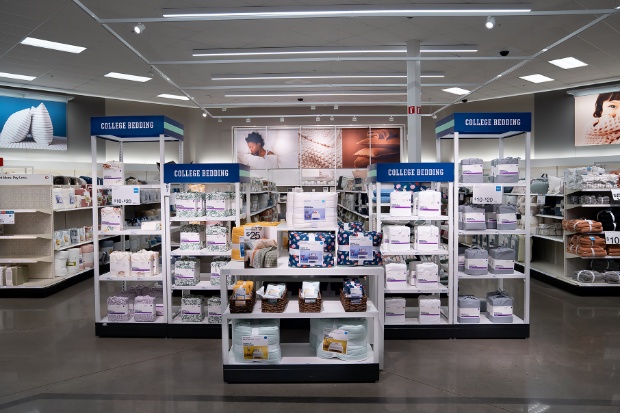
(471, 171)
(256, 341)
(365, 249)
(311, 249)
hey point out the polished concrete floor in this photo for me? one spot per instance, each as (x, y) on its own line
(51, 361)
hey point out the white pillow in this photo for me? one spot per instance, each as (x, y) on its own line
(16, 127)
(42, 128)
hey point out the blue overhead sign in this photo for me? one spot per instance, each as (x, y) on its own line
(484, 123)
(135, 126)
(411, 172)
(206, 173)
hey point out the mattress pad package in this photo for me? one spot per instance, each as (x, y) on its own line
(471, 171)
(468, 309)
(501, 260)
(476, 261)
(256, 341)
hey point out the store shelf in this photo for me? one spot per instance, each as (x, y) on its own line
(283, 270)
(572, 206)
(110, 277)
(463, 276)
(82, 243)
(199, 253)
(41, 283)
(159, 320)
(319, 227)
(352, 192)
(556, 238)
(414, 252)
(485, 320)
(155, 186)
(572, 191)
(491, 232)
(252, 213)
(388, 217)
(231, 218)
(22, 236)
(413, 289)
(26, 260)
(302, 353)
(412, 318)
(331, 308)
(550, 216)
(506, 184)
(547, 268)
(133, 231)
(88, 208)
(353, 211)
(178, 320)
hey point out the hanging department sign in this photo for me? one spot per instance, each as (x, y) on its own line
(206, 173)
(411, 172)
(135, 126)
(484, 123)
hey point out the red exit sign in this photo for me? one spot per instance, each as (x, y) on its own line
(414, 110)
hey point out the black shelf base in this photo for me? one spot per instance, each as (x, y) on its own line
(131, 330)
(575, 289)
(463, 331)
(194, 331)
(302, 373)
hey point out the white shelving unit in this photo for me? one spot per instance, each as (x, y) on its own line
(299, 363)
(129, 129)
(491, 127)
(218, 177)
(348, 210)
(381, 174)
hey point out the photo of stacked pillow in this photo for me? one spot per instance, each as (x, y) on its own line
(26, 123)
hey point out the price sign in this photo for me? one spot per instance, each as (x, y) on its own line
(488, 194)
(612, 237)
(615, 194)
(7, 217)
(126, 195)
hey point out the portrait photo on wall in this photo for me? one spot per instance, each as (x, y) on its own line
(318, 148)
(33, 124)
(364, 146)
(597, 119)
(263, 148)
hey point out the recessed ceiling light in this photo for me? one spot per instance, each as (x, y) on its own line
(124, 76)
(457, 91)
(46, 44)
(262, 95)
(568, 63)
(536, 78)
(17, 77)
(168, 96)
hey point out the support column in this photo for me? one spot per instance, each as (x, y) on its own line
(414, 99)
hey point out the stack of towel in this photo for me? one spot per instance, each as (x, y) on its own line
(582, 225)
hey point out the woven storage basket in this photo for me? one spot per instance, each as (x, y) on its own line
(247, 308)
(310, 307)
(275, 306)
(350, 307)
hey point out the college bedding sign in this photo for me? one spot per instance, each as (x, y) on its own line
(206, 173)
(411, 172)
(135, 127)
(484, 124)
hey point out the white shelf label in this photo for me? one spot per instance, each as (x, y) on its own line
(126, 195)
(7, 217)
(488, 194)
(615, 194)
(612, 237)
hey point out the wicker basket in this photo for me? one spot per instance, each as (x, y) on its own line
(350, 307)
(274, 305)
(310, 307)
(248, 307)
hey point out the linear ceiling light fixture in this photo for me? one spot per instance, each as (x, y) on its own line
(246, 13)
(457, 91)
(568, 63)
(169, 96)
(17, 77)
(46, 44)
(283, 51)
(264, 95)
(124, 76)
(287, 76)
(536, 78)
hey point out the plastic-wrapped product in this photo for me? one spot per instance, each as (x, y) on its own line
(427, 203)
(426, 238)
(144, 309)
(471, 171)
(256, 341)
(499, 307)
(359, 248)
(214, 310)
(468, 309)
(118, 308)
(345, 339)
(430, 309)
(400, 203)
(507, 217)
(395, 275)
(501, 260)
(186, 272)
(216, 267)
(219, 204)
(192, 237)
(427, 275)
(217, 238)
(396, 238)
(490, 212)
(120, 264)
(111, 219)
(192, 308)
(506, 170)
(311, 249)
(189, 204)
(476, 261)
(473, 218)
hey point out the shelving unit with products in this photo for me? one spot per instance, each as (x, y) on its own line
(223, 178)
(462, 127)
(548, 239)
(117, 290)
(437, 176)
(299, 362)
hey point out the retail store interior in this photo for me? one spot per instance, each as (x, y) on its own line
(396, 206)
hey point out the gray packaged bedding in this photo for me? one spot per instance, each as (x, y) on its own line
(506, 170)
(501, 260)
(476, 261)
(499, 307)
(507, 217)
(473, 217)
(468, 309)
(471, 171)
